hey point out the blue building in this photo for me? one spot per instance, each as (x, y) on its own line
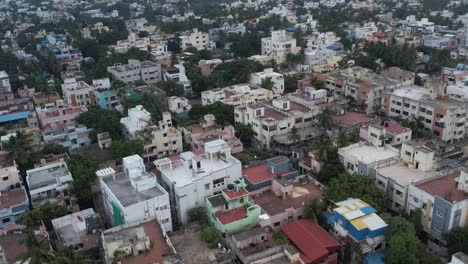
(259, 175)
(13, 203)
(357, 220)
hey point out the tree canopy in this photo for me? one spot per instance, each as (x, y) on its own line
(102, 120)
(83, 169)
(120, 149)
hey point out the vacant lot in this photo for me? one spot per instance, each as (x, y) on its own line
(190, 246)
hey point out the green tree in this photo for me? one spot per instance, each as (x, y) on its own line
(313, 210)
(44, 213)
(68, 256)
(267, 83)
(404, 249)
(317, 84)
(20, 150)
(197, 214)
(325, 119)
(355, 186)
(120, 149)
(102, 120)
(457, 240)
(172, 88)
(245, 133)
(397, 225)
(294, 135)
(83, 168)
(39, 251)
(54, 149)
(209, 235)
(223, 113)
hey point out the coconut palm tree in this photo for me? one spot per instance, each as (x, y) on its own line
(68, 256)
(313, 210)
(294, 135)
(38, 251)
(325, 146)
(18, 148)
(325, 119)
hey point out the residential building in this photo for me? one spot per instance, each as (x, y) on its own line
(106, 97)
(136, 70)
(279, 45)
(355, 221)
(363, 156)
(40, 99)
(349, 122)
(423, 26)
(190, 177)
(11, 241)
(143, 242)
(445, 117)
(285, 201)
(443, 201)
(13, 203)
(207, 66)
(156, 95)
(79, 231)
(198, 134)
(454, 75)
(314, 244)
(258, 245)
(71, 138)
(459, 258)
(177, 74)
(273, 122)
(5, 85)
(104, 140)
(77, 93)
(58, 115)
(51, 183)
(9, 173)
(237, 95)
(178, 105)
(392, 133)
(458, 90)
(197, 39)
(133, 195)
(232, 210)
(446, 41)
(277, 80)
(159, 140)
(362, 32)
(259, 176)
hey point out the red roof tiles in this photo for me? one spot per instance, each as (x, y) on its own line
(233, 195)
(314, 243)
(227, 217)
(444, 187)
(258, 173)
(351, 118)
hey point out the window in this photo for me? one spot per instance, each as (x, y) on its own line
(5, 178)
(6, 220)
(440, 214)
(165, 220)
(207, 186)
(164, 207)
(424, 206)
(218, 181)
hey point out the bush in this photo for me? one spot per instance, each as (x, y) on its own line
(197, 214)
(209, 235)
(280, 238)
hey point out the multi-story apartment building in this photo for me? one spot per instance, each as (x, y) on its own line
(51, 183)
(237, 95)
(133, 195)
(78, 93)
(9, 173)
(279, 45)
(272, 122)
(458, 90)
(178, 105)
(277, 80)
(365, 86)
(198, 134)
(159, 140)
(5, 86)
(445, 117)
(190, 178)
(58, 115)
(13, 203)
(71, 137)
(136, 70)
(392, 133)
(443, 201)
(362, 32)
(106, 97)
(197, 39)
(177, 74)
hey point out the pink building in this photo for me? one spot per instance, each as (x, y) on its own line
(58, 115)
(199, 134)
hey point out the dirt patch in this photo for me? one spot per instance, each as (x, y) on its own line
(190, 246)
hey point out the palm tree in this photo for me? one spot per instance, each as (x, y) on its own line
(294, 135)
(325, 119)
(313, 210)
(18, 148)
(325, 146)
(38, 251)
(68, 256)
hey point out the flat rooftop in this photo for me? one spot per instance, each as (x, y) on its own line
(44, 176)
(273, 205)
(403, 174)
(368, 154)
(413, 93)
(351, 118)
(126, 194)
(445, 187)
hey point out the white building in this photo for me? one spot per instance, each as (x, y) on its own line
(387, 132)
(177, 74)
(237, 95)
(136, 70)
(159, 140)
(50, 183)
(279, 45)
(361, 32)
(273, 122)
(77, 92)
(277, 80)
(190, 177)
(197, 39)
(178, 105)
(458, 90)
(443, 201)
(134, 195)
(5, 85)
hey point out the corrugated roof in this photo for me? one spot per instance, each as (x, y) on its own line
(14, 116)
